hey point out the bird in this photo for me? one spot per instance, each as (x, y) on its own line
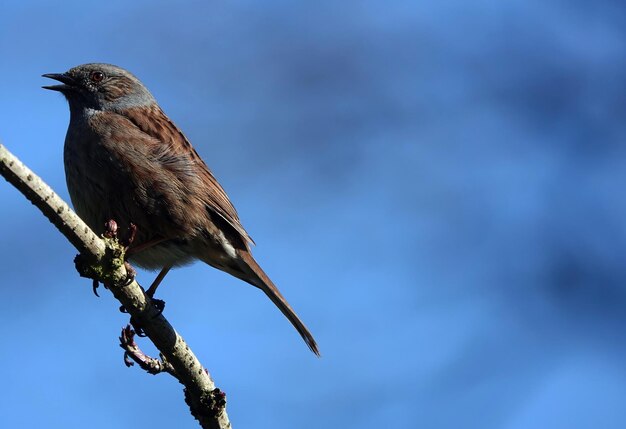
(125, 160)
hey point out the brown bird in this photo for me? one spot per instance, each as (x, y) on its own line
(126, 160)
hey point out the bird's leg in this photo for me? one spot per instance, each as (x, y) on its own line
(158, 303)
(127, 242)
(155, 284)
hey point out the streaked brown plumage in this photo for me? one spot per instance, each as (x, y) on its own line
(126, 160)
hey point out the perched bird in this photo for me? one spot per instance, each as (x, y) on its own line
(125, 160)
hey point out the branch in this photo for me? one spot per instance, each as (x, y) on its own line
(103, 260)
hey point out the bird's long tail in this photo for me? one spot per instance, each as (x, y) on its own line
(253, 274)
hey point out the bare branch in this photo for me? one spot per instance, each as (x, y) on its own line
(102, 259)
(50, 204)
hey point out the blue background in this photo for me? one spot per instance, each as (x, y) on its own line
(437, 188)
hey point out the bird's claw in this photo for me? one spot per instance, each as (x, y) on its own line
(159, 304)
(137, 327)
(130, 273)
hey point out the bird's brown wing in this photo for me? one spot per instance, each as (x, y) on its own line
(157, 125)
(173, 153)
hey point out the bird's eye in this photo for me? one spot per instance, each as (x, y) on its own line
(96, 76)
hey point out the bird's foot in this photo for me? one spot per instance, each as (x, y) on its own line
(131, 273)
(96, 285)
(159, 304)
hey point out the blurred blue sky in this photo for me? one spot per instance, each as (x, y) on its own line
(437, 188)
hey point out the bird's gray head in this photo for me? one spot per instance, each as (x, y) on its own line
(101, 87)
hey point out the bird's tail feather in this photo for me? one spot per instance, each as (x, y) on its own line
(253, 274)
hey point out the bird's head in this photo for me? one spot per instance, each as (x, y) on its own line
(101, 87)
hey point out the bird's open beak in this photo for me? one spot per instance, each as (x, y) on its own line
(68, 81)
